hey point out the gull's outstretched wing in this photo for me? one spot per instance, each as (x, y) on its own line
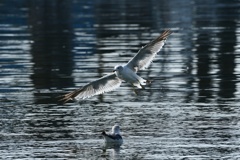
(105, 84)
(146, 54)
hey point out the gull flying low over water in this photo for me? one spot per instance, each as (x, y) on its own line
(127, 72)
(114, 137)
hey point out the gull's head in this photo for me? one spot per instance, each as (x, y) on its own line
(118, 68)
(116, 129)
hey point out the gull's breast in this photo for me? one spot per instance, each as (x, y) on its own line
(128, 75)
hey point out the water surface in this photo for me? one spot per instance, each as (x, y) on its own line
(189, 111)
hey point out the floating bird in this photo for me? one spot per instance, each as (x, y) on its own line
(113, 138)
(127, 72)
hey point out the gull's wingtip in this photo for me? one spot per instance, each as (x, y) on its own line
(168, 30)
(64, 98)
(166, 33)
(69, 96)
(103, 133)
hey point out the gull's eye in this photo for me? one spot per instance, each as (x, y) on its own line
(119, 67)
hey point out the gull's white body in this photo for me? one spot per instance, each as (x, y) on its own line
(114, 137)
(126, 72)
(128, 75)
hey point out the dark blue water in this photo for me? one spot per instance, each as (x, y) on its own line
(189, 111)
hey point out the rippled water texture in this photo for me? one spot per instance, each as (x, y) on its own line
(189, 111)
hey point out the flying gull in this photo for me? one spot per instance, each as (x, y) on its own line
(127, 72)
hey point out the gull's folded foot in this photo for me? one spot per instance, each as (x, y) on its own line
(136, 91)
(142, 86)
(149, 81)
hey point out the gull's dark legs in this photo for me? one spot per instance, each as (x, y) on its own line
(143, 87)
(149, 82)
(135, 91)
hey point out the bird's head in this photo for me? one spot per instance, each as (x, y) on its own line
(116, 129)
(118, 68)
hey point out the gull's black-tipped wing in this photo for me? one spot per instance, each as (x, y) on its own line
(105, 84)
(146, 54)
(113, 137)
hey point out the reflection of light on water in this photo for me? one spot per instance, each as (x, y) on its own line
(16, 68)
(237, 60)
(164, 120)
